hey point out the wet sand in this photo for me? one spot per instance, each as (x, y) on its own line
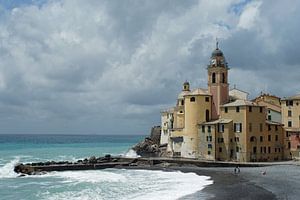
(279, 182)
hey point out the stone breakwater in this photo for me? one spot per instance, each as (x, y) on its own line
(94, 163)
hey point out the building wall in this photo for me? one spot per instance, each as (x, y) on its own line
(219, 90)
(195, 113)
(207, 138)
(295, 113)
(164, 136)
(274, 116)
(238, 138)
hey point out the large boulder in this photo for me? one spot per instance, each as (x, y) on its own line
(149, 147)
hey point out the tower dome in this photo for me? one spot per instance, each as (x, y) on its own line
(217, 52)
(217, 58)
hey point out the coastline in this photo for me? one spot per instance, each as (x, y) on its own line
(279, 182)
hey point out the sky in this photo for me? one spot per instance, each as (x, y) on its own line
(110, 66)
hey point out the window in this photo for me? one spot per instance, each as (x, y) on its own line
(289, 145)
(289, 113)
(276, 137)
(237, 149)
(289, 103)
(252, 139)
(192, 99)
(261, 127)
(250, 127)
(208, 153)
(182, 102)
(269, 138)
(254, 149)
(237, 109)
(220, 140)
(275, 150)
(208, 138)
(209, 146)
(289, 123)
(207, 99)
(276, 128)
(236, 139)
(261, 149)
(213, 78)
(237, 127)
(203, 129)
(207, 117)
(223, 78)
(221, 128)
(220, 149)
(287, 134)
(250, 108)
(226, 110)
(269, 149)
(269, 127)
(269, 117)
(261, 109)
(208, 129)
(261, 138)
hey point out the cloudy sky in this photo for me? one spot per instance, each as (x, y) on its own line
(109, 67)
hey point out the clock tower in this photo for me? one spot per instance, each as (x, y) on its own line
(218, 81)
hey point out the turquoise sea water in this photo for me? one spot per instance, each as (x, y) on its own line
(98, 184)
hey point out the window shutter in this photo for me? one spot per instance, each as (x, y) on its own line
(234, 127)
(241, 129)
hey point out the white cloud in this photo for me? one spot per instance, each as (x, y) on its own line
(250, 15)
(98, 66)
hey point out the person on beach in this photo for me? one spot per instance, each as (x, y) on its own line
(237, 170)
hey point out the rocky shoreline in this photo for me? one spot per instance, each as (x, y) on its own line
(108, 161)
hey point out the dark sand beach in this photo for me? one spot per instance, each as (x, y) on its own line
(278, 182)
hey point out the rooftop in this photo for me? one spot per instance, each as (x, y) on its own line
(240, 102)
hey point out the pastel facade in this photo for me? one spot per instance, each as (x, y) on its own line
(290, 108)
(218, 124)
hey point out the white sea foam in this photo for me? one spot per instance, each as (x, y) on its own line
(87, 176)
(126, 184)
(7, 171)
(131, 154)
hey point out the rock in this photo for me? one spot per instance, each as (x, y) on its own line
(92, 159)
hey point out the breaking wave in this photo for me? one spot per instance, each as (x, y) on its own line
(7, 170)
(125, 184)
(131, 154)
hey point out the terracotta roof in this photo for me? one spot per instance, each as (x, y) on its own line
(197, 91)
(219, 121)
(274, 123)
(293, 129)
(240, 102)
(292, 97)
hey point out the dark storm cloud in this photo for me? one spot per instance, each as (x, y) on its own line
(71, 66)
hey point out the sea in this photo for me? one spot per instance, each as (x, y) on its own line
(87, 185)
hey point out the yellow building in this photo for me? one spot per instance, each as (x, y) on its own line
(212, 125)
(290, 108)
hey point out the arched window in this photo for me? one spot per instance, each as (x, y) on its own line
(192, 99)
(213, 78)
(207, 115)
(223, 78)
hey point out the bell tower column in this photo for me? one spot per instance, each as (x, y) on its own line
(218, 85)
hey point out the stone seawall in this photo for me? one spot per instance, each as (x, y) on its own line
(120, 162)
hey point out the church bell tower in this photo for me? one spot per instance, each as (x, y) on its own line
(218, 85)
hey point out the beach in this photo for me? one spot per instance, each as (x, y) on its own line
(279, 182)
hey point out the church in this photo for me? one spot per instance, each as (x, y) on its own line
(222, 124)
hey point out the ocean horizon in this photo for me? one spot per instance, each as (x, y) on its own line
(89, 185)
